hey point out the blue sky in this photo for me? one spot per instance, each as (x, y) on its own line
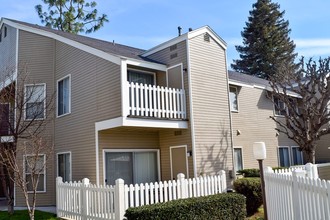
(146, 23)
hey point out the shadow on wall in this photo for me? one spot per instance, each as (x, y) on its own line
(214, 157)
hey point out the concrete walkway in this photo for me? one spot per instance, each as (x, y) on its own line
(3, 207)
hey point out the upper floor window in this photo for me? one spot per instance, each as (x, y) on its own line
(35, 97)
(233, 98)
(64, 96)
(141, 77)
(5, 34)
(279, 107)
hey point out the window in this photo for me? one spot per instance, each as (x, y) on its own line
(233, 98)
(5, 34)
(284, 156)
(35, 165)
(297, 157)
(132, 167)
(238, 159)
(64, 96)
(64, 166)
(140, 77)
(290, 156)
(35, 101)
(279, 106)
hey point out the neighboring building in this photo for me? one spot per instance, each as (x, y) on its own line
(251, 108)
(107, 125)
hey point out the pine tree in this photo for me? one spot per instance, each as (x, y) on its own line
(73, 16)
(266, 42)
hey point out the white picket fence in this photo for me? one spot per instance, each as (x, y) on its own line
(82, 200)
(297, 194)
(155, 101)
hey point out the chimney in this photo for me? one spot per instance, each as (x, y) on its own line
(179, 30)
(190, 29)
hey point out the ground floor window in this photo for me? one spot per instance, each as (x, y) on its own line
(131, 166)
(35, 165)
(289, 156)
(64, 166)
(238, 159)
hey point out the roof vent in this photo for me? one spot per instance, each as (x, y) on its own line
(206, 37)
(190, 29)
(179, 30)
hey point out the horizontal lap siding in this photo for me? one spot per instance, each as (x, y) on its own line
(210, 106)
(95, 96)
(254, 124)
(322, 153)
(8, 50)
(167, 137)
(126, 139)
(36, 54)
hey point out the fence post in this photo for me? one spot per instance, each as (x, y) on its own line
(183, 187)
(312, 171)
(84, 198)
(295, 193)
(58, 181)
(119, 199)
(223, 180)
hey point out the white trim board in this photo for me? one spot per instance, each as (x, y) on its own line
(140, 122)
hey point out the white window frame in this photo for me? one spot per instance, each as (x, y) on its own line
(142, 71)
(44, 100)
(57, 171)
(301, 153)
(274, 106)
(44, 173)
(278, 152)
(239, 147)
(69, 112)
(231, 109)
(130, 151)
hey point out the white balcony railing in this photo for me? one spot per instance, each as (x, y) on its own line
(155, 101)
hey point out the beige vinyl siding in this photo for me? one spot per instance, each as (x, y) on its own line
(254, 124)
(36, 56)
(126, 138)
(324, 172)
(210, 106)
(322, 152)
(8, 50)
(167, 136)
(95, 96)
(170, 138)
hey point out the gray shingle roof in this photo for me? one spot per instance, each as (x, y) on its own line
(247, 79)
(105, 46)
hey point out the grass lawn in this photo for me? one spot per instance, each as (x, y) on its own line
(257, 216)
(23, 215)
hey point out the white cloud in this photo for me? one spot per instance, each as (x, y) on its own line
(313, 47)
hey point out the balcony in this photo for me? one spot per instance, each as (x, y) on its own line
(152, 101)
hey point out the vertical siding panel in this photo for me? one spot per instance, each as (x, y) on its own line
(210, 106)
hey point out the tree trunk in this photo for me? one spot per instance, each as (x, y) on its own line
(311, 157)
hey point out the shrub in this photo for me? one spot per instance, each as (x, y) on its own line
(251, 189)
(249, 172)
(220, 206)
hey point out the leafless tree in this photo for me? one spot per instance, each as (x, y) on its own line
(25, 112)
(302, 98)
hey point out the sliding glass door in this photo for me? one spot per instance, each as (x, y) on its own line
(132, 167)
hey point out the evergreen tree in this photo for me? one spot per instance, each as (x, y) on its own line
(266, 42)
(73, 16)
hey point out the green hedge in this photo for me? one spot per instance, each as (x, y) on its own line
(251, 189)
(249, 172)
(221, 206)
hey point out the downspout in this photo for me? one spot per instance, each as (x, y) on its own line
(230, 120)
(191, 119)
